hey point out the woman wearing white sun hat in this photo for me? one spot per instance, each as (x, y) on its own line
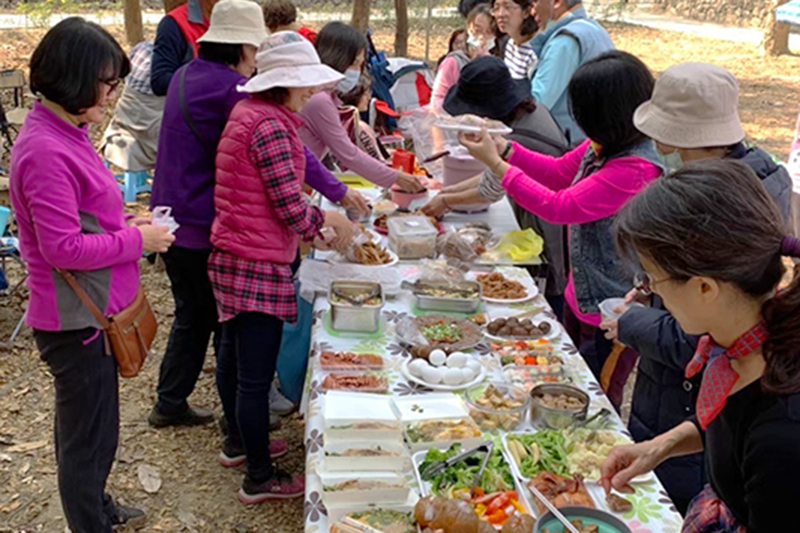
(261, 215)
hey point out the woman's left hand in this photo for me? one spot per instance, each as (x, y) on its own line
(354, 200)
(482, 147)
(139, 221)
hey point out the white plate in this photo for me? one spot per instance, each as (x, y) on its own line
(440, 386)
(527, 282)
(466, 128)
(555, 331)
(336, 258)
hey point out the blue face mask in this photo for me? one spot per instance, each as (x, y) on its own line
(349, 82)
(672, 161)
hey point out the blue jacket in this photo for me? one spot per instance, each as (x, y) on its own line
(592, 40)
(662, 397)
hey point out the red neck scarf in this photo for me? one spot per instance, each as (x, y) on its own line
(719, 376)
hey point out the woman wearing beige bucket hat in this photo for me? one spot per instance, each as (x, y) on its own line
(261, 216)
(692, 115)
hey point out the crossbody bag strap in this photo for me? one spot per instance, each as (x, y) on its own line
(187, 116)
(85, 299)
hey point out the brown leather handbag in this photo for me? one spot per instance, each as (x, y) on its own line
(128, 334)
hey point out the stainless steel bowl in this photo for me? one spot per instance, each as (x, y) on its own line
(355, 318)
(557, 418)
(440, 303)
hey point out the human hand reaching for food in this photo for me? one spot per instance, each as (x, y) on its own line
(408, 183)
(352, 199)
(436, 206)
(627, 462)
(343, 229)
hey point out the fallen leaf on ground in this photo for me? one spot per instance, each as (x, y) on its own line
(28, 446)
(149, 478)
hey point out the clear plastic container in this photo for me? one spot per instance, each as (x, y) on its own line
(412, 237)
(354, 381)
(527, 377)
(498, 406)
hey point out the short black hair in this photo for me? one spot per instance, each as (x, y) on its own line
(604, 93)
(529, 24)
(338, 44)
(225, 53)
(70, 62)
(279, 13)
(465, 6)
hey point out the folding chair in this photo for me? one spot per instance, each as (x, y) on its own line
(11, 119)
(9, 253)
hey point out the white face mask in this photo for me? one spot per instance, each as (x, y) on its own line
(672, 161)
(475, 42)
(349, 82)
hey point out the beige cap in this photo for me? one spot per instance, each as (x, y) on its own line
(235, 22)
(694, 105)
(289, 60)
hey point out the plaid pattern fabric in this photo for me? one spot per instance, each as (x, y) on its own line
(719, 376)
(271, 150)
(241, 285)
(708, 514)
(141, 56)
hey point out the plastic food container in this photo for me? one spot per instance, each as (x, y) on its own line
(607, 307)
(557, 418)
(442, 433)
(490, 413)
(373, 420)
(367, 456)
(404, 199)
(412, 237)
(363, 487)
(346, 316)
(351, 380)
(528, 377)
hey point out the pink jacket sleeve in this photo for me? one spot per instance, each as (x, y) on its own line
(595, 197)
(322, 116)
(446, 77)
(553, 172)
(52, 193)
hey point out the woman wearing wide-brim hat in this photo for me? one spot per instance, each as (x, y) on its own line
(261, 216)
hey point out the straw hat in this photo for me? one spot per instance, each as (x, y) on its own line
(288, 60)
(694, 105)
(235, 22)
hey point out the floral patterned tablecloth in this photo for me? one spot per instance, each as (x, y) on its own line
(652, 512)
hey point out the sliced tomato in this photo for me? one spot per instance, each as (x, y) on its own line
(497, 504)
(498, 518)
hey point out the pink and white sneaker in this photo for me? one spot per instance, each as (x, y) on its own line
(281, 486)
(233, 456)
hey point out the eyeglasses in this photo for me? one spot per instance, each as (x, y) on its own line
(112, 83)
(509, 7)
(645, 284)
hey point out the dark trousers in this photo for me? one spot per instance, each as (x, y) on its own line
(195, 320)
(245, 369)
(86, 424)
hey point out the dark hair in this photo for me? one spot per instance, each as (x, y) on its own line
(279, 13)
(484, 10)
(70, 62)
(529, 24)
(452, 41)
(353, 97)
(225, 53)
(276, 95)
(604, 93)
(338, 45)
(714, 218)
(525, 108)
(465, 6)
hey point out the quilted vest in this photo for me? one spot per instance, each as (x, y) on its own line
(246, 223)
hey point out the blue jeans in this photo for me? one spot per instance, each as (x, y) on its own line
(245, 370)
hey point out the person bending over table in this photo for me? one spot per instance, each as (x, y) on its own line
(585, 188)
(710, 242)
(344, 49)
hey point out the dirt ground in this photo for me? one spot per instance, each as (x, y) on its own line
(197, 494)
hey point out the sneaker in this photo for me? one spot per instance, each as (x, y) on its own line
(232, 456)
(281, 486)
(278, 403)
(127, 516)
(193, 416)
(274, 423)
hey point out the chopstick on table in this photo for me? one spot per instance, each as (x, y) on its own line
(552, 508)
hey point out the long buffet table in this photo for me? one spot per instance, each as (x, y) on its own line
(652, 512)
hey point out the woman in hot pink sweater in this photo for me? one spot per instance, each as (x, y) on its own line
(587, 187)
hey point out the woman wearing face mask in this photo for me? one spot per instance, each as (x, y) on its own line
(710, 242)
(481, 41)
(344, 49)
(514, 19)
(694, 107)
(261, 216)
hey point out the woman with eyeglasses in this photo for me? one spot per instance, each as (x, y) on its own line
(70, 215)
(711, 243)
(514, 18)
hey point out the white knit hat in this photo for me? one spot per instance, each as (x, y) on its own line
(235, 22)
(694, 105)
(288, 60)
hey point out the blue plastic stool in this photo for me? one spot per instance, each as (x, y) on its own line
(133, 183)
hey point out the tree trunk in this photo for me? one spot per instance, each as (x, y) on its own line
(169, 5)
(776, 34)
(401, 31)
(360, 19)
(133, 22)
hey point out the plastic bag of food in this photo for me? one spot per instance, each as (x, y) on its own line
(455, 245)
(440, 270)
(408, 333)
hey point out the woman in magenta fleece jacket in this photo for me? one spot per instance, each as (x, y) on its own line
(70, 215)
(587, 187)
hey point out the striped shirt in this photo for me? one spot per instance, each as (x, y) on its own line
(521, 60)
